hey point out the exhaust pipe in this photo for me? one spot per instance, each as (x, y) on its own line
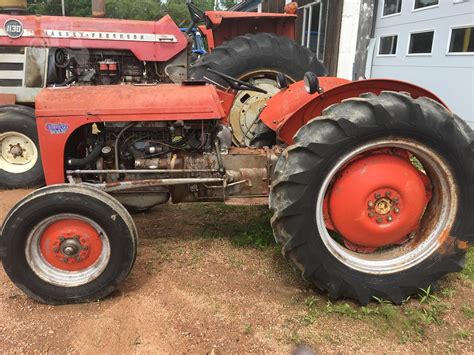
(13, 5)
(98, 8)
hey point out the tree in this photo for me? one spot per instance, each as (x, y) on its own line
(126, 9)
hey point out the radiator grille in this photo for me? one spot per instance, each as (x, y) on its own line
(12, 64)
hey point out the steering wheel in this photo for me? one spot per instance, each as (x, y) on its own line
(237, 84)
(197, 15)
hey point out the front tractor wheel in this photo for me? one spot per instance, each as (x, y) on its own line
(67, 244)
(20, 159)
(374, 199)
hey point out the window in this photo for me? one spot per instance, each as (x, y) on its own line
(388, 45)
(392, 7)
(315, 17)
(421, 4)
(421, 43)
(462, 40)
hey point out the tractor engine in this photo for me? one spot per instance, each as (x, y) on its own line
(95, 67)
(124, 157)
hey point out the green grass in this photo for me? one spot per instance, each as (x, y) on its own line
(244, 226)
(468, 271)
(248, 329)
(468, 311)
(408, 322)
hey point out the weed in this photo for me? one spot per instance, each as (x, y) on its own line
(311, 301)
(468, 271)
(344, 309)
(427, 295)
(448, 292)
(312, 313)
(295, 338)
(463, 334)
(468, 311)
(413, 329)
(432, 313)
(248, 328)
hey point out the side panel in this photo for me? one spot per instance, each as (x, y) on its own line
(60, 112)
(148, 41)
(292, 108)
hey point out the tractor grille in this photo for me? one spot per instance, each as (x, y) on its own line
(23, 71)
(12, 64)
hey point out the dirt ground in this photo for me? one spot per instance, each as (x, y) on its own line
(208, 280)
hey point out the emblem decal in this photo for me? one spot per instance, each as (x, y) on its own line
(57, 128)
(13, 28)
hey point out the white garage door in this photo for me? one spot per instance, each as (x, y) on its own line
(429, 43)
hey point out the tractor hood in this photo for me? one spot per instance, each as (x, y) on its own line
(128, 102)
(154, 41)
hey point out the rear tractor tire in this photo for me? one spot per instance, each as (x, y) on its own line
(374, 199)
(256, 58)
(68, 244)
(20, 158)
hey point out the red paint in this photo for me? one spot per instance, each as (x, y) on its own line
(58, 232)
(78, 106)
(292, 108)
(372, 179)
(144, 51)
(225, 25)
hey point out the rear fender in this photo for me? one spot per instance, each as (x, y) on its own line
(223, 26)
(292, 108)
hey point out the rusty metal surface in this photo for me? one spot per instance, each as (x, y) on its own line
(130, 185)
(139, 171)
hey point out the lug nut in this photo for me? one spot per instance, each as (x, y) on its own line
(389, 219)
(76, 237)
(371, 204)
(395, 200)
(396, 210)
(62, 239)
(379, 220)
(56, 250)
(388, 194)
(66, 260)
(378, 195)
(371, 214)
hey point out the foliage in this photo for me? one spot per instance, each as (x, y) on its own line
(127, 9)
(468, 271)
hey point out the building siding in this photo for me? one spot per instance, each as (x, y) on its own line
(451, 77)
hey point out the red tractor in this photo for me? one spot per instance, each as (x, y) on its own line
(43, 51)
(371, 182)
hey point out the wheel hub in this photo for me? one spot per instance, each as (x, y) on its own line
(378, 201)
(16, 150)
(18, 153)
(245, 112)
(71, 245)
(383, 206)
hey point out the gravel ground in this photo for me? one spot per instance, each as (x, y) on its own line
(196, 289)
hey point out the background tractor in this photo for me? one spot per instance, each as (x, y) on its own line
(48, 51)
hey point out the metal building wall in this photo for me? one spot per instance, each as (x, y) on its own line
(450, 76)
